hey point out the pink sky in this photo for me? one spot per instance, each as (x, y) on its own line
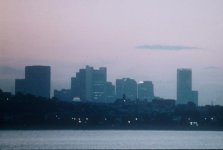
(71, 34)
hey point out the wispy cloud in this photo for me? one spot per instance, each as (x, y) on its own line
(212, 68)
(166, 47)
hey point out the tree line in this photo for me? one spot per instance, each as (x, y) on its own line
(22, 111)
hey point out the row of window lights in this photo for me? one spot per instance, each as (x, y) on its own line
(129, 121)
(194, 123)
(79, 119)
(212, 118)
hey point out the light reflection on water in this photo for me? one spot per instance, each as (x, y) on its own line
(110, 139)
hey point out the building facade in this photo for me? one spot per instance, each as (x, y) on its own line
(145, 91)
(184, 87)
(20, 86)
(126, 87)
(37, 81)
(110, 92)
(90, 84)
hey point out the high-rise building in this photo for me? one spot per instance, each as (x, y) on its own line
(194, 97)
(184, 87)
(145, 91)
(99, 81)
(110, 92)
(78, 85)
(127, 87)
(90, 84)
(36, 82)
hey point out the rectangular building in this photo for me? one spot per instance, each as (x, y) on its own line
(90, 84)
(145, 91)
(20, 86)
(36, 82)
(126, 87)
(184, 87)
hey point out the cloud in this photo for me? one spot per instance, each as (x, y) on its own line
(212, 68)
(166, 47)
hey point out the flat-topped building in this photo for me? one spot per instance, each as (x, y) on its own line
(36, 82)
(184, 87)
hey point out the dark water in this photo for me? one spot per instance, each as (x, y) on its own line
(110, 139)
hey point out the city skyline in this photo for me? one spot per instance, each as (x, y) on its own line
(91, 85)
(22, 83)
(143, 40)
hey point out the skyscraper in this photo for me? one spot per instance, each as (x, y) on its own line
(99, 81)
(184, 87)
(127, 87)
(145, 91)
(78, 85)
(90, 84)
(36, 82)
(110, 92)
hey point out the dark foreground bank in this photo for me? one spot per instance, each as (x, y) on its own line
(29, 112)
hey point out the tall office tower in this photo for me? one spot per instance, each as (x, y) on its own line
(78, 85)
(127, 87)
(145, 91)
(195, 97)
(110, 92)
(184, 87)
(89, 84)
(36, 82)
(99, 81)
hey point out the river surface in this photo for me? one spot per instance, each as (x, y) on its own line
(110, 139)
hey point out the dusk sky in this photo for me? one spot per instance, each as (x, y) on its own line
(140, 39)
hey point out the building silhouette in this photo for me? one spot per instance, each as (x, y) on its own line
(145, 91)
(99, 82)
(184, 87)
(36, 82)
(20, 86)
(64, 94)
(127, 87)
(90, 84)
(110, 92)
